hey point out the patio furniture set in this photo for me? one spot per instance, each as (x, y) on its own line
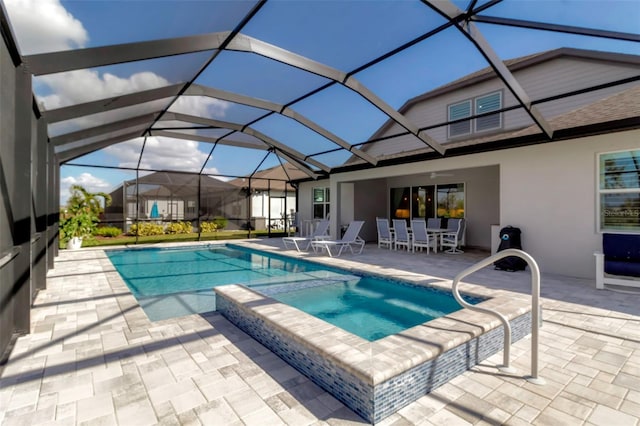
(421, 234)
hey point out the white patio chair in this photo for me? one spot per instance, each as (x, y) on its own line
(453, 238)
(401, 237)
(385, 238)
(434, 223)
(350, 238)
(420, 238)
(303, 243)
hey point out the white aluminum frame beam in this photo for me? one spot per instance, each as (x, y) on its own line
(108, 104)
(68, 155)
(66, 138)
(200, 138)
(69, 60)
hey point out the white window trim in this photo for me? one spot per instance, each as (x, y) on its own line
(324, 203)
(600, 191)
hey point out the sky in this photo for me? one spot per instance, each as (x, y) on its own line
(343, 34)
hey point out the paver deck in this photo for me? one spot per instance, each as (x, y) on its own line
(93, 357)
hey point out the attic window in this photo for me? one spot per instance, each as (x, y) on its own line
(475, 106)
(485, 104)
(456, 112)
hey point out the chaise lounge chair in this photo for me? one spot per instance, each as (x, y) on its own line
(351, 238)
(321, 231)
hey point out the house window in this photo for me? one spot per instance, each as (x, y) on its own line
(450, 200)
(442, 200)
(321, 203)
(485, 104)
(456, 112)
(191, 207)
(619, 191)
(476, 106)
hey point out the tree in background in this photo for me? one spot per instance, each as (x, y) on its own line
(81, 215)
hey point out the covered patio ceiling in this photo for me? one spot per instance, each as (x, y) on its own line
(240, 87)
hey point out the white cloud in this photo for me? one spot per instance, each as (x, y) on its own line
(44, 26)
(87, 181)
(201, 106)
(127, 153)
(85, 85)
(161, 153)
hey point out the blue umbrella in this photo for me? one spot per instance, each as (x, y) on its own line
(154, 211)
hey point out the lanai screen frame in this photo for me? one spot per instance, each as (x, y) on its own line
(69, 146)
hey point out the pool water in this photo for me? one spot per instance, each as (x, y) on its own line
(372, 308)
(175, 282)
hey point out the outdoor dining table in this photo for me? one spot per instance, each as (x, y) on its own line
(436, 232)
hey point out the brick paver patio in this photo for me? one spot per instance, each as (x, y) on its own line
(93, 357)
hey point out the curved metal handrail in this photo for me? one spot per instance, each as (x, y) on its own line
(535, 307)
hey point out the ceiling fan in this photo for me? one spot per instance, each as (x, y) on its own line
(434, 175)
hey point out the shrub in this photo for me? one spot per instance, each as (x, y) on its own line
(81, 215)
(221, 222)
(107, 231)
(208, 227)
(179, 228)
(145, 229)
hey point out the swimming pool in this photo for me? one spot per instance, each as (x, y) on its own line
(375, 378)
(171, 282)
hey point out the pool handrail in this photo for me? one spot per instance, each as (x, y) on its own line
(535, 308)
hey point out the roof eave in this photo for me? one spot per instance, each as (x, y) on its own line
(614, 126)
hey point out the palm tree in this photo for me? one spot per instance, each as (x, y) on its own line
(82, 213)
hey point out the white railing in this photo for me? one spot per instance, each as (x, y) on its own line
(536, 318)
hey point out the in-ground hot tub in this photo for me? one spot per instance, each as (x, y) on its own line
(375, 379)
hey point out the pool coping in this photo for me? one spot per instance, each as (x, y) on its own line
(381, 360)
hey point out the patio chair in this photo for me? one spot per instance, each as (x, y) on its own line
(434, 223)
(420, 238)
(385, 238)
(401, 234)
(321, 231)
(453, 238)
(350, 238)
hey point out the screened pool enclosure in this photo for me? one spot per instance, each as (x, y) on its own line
(192, 110)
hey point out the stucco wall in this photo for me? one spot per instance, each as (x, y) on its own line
(371, 201)
(547, 190)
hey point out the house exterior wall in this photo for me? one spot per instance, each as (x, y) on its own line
(569, 74)
(371, 200)
(305, 198)
(547, 190)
